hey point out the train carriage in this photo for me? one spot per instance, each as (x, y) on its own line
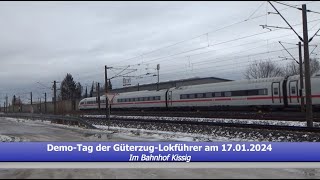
(294, 93)
(277, 92)
(262, 92)
(140, 99)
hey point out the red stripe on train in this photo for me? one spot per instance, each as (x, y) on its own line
(204, 100)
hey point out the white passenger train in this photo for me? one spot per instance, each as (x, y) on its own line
(279, 92)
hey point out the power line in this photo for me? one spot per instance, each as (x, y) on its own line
(242, 21)
(313, 11)
(255, 11)
(285, 21)
(210, 45)
(292, 6)
(223, 59)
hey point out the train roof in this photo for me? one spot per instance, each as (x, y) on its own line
(236, 82)
(142, 92)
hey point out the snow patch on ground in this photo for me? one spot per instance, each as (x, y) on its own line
(139, 134)
(167, 136)
(4, 138)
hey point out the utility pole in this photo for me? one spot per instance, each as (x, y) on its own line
(45, 103)
(14, 102)
(54, 97)
(6, 103)
(309, 115)
(4, 107)
(106, 90)
(301, 78)
(300, 72)
(158, 68)
(98, 96)
(305, 39)
(40, 105)
(31, 97)
(20, 103)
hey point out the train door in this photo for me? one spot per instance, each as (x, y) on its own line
(293, 92)
(169, 98)
(276, 92)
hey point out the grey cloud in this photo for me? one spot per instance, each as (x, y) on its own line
(42, 41)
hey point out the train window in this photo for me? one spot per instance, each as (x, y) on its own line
(191, 96)
(227, 94)
(263, 91)
(188, 96)
(239, 93)
(253, 92)
(204, 95)
(158, 98)
(293, 90)
(183, 96)
(199, 95)
(275, 91)
(217, 94)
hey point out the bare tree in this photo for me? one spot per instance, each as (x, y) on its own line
(293, 68)
(263, 69)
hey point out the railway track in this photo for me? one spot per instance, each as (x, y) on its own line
(284, 116)
(90, 122)
(103, 121)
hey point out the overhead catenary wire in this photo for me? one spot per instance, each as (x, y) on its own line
(233, 24)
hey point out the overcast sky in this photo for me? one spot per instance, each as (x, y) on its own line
(43, 41)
